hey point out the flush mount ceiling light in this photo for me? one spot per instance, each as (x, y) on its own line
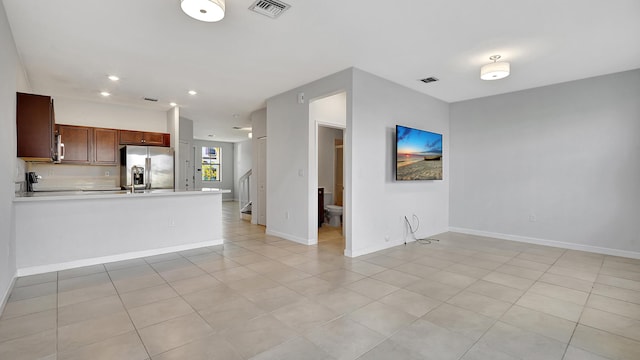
(105, 93)
(495, 70)
(172, 104)
(113, 78)
(204, 10)
(192, 92)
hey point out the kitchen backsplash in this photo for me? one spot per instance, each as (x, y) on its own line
(74, 177)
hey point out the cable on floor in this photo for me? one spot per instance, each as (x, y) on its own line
(413, 231)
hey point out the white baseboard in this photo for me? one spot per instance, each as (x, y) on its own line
(560, 244)
(7, 293)
(41, 269)
(290, 237)
(372, 249)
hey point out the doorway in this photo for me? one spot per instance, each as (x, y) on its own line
(330, 189)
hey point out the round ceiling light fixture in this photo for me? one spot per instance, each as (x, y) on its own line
(496, 70)
(204, 10)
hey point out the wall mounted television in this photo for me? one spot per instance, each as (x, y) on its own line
(418, 154)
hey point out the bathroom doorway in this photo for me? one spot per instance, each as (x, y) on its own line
(330, 189)
(330, 139)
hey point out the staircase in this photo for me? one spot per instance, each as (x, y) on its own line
(244, 196)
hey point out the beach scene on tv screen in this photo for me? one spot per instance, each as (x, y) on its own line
(419, 154)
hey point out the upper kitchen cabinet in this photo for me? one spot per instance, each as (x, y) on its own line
(77, 144)
(105, 146)
(128, 137)
(35, 123)
(87, 145)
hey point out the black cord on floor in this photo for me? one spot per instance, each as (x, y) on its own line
(425, 241)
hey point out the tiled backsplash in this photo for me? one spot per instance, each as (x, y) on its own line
(74, 177)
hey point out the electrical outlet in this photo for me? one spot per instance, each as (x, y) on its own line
(533, 218)
(106, 173)
(286, 215)
(172, 222)
(386, 238)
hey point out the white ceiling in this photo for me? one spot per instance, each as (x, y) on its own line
(69, 46)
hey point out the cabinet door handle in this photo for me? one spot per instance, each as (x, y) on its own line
(61, 151)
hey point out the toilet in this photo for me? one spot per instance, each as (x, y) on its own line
(334, 213)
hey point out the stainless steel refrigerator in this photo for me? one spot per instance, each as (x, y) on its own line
(150, 167)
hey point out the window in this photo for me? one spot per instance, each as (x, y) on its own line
(211, 160)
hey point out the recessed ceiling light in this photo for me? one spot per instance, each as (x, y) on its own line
(105, 94)
(173, 104)
(113, 78)
(210, 135)
(235, 116)
(192, 92)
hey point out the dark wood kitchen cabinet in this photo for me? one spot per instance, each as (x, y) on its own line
(129, 137)
(88, 145)
(77, 142)
(105, 146)
(35, 123)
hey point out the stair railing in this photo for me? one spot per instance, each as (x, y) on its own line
(244, 194)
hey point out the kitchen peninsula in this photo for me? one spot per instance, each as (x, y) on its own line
(56, 231)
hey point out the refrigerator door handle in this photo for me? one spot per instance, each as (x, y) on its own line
(148, 171)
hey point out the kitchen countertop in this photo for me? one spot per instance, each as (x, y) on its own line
(110, 194)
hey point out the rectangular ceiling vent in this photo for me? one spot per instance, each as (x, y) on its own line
(430, 79)
(151, 99)
(270, 8)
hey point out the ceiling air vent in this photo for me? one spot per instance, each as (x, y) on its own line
(430, 79)
(151, 99)
(270, 8)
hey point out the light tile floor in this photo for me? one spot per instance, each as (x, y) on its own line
(261, 297)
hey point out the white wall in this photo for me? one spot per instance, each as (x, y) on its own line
(374, 204)
(97, 114)
(61, 233)
(379, 204)
(557, 164)
(330, 110)
(9, 76)
(327, 157)
(243, 152)
(258, 187)
(291, 169)
(226, 171)
(184, 150)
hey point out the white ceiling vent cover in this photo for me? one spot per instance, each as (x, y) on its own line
(270, 8)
